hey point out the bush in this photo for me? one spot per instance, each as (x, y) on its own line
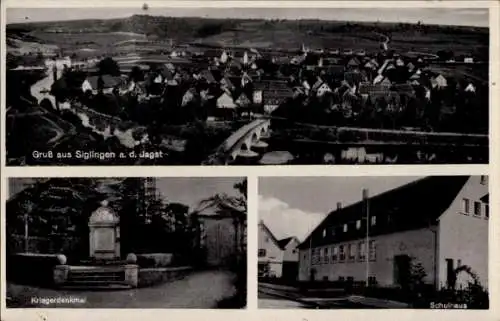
(31, 269)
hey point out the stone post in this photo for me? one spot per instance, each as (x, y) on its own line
(60, 274)
(132, 275)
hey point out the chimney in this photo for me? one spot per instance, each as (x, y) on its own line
(339, 206)
(365, 194)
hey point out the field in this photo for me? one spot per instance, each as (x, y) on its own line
(284, 34)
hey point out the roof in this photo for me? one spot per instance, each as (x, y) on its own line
(268, 231)
(284, 242)
(108, 81)
(353, 77)
(404, 89)
(403, 205)
(368, 88)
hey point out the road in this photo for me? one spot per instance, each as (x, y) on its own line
(199, 290)
(272, 302)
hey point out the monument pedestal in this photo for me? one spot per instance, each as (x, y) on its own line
(104, 234)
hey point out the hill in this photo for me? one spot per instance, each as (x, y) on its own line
(284, 34)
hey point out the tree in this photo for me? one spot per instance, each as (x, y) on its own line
(108, 66)
(136, 74)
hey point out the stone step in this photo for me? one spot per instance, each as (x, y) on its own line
(96, 287)
(96, 277)
(94, 282)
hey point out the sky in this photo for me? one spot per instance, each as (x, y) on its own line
(293, 206)
(191, 190)
(456, 16)
(187, 190)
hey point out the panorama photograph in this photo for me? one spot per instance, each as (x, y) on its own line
(152, 85)
(131, 242)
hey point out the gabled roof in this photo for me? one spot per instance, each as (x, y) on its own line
(270, 234)
(415, 205)
(208, 76)
(284, 242)
(353, 62)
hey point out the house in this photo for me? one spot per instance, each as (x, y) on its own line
(207, 76)
(188, 97)
(257, 97)
(277, 258)
(243, 100)
(353, 63)
(354, 78)
(104, 82)
(321, 88)
(470, 88)
(226, 83)
(290, 268)
(367, 89)
(245, 80)
(272, 98)
(225, 101)
(439, 82)
(438, 222)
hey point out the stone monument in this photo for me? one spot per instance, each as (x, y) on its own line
(104, 226)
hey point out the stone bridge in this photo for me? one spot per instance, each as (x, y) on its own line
(246, 142)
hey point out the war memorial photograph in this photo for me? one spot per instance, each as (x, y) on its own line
(373, 242)
(126, 243)
(246, 86)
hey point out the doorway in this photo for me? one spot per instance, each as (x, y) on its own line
(402, 266)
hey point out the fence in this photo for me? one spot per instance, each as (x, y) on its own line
(72, 246)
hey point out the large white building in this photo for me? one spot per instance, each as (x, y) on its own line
(439, 223)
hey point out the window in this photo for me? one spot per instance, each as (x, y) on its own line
(358, 224)
(324, 232)
(262, 252)
(352, 252)
(294, 251)
(484, 180)
(477, 208)
(335, 254)
(267, 239)
(373, 220)
(345, 228)
(362, 251)
(326, 257)
(373, 251)
(465, 206)
(487, 211)
(341, 253)
(333, 231)
(315, 256)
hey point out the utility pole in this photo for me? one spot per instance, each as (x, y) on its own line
(310, 253)
(26, 235)
(367, 213)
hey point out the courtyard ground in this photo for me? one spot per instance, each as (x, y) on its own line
(198, 290)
